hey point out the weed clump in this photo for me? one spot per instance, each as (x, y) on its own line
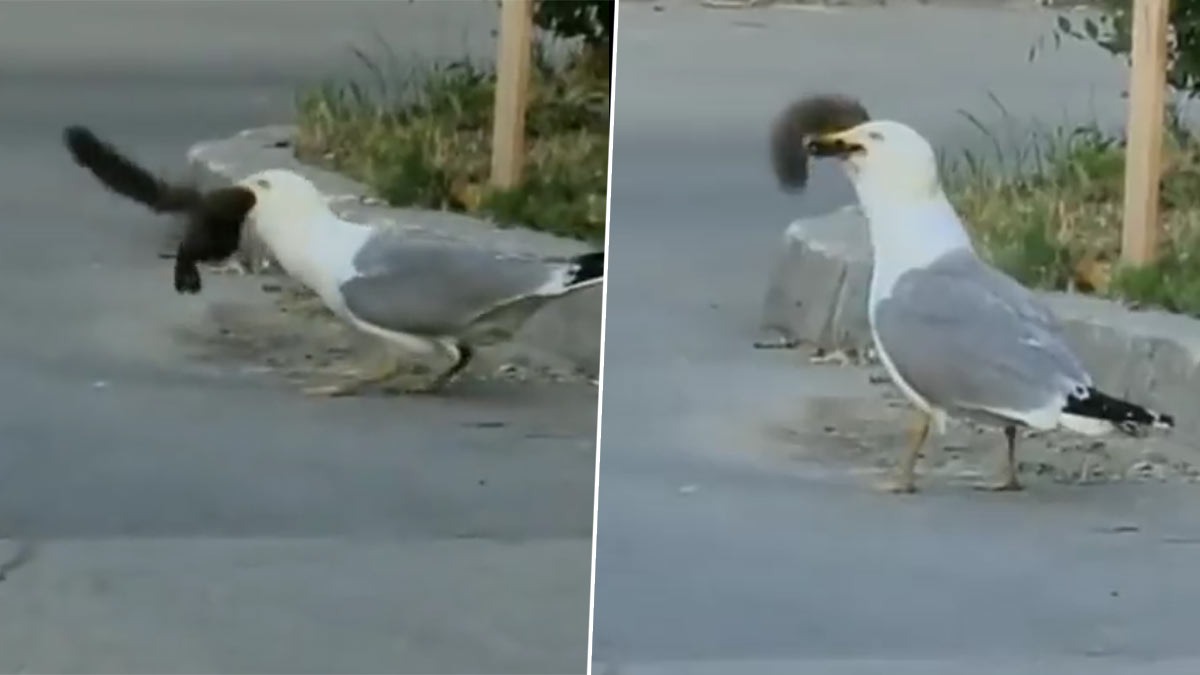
(1048, 210)
(424, 140)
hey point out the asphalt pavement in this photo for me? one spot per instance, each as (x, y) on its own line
(718, 554)
(198, 515)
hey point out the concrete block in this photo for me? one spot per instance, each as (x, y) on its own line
(817, 291)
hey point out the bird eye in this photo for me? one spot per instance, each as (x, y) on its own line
(262, 183)
(875, 136)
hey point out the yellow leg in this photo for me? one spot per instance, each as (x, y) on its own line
(388, 368)
(905, 480)
(1008, 481)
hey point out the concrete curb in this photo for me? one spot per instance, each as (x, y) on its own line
(817, 296)
(563, 334)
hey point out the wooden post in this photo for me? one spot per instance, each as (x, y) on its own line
(513, 63)
(1143, 154)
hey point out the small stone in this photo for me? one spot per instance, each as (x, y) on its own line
(838, 358)
(776, 342)
(1146, 471)
(1121, 529)
(487, 425)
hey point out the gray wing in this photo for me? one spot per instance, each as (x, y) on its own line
(434, 289)
(964, 335)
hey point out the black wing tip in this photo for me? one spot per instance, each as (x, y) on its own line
(798, 122)
(1130, 418)
(588, 266)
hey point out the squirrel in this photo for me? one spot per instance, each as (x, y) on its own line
(801, 120)
(214, 218)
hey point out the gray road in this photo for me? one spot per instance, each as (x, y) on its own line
(193, 517)
(715, 555)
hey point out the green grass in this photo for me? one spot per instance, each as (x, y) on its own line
(1056, 222)
(423, 139)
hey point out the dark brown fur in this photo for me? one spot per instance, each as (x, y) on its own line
(214, 218)
(799, 122)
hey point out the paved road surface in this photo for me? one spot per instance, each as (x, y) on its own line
(196, 518)
(714, 555)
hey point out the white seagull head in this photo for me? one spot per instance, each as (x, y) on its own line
(283, 196)
(288, 213)
(888, 162)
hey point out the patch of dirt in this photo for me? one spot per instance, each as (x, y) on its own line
(283, 329)
(869, 436)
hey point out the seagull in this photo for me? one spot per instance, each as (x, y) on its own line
(419, 298)
(957, 336)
